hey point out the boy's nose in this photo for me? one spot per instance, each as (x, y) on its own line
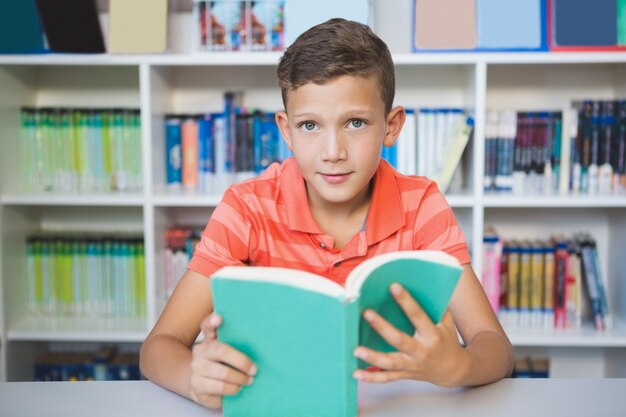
(334, 149)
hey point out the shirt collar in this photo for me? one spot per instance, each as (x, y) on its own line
(385, 215)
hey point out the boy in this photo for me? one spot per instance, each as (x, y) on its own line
(331, 206)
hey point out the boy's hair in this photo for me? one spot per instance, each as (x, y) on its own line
(333, 48)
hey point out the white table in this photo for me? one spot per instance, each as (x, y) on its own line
(507, 398)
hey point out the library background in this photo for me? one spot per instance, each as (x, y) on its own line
(118, 137)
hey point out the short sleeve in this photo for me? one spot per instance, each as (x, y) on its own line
(436, 227)
(226, 239)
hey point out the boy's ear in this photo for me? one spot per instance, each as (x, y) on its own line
(283, 125)
(395, 121)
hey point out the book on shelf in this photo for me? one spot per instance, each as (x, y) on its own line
(580, 150)
(80, 150)
(127, 36)
(210, 151)
(20, 28)
(71, 25)
(85, 276)
(481, 25)
(546, 284)
(301, 329)
(105, 364)
(239, 25)
(531, 367)
(442, 136)
(579, 25)
(180, 243)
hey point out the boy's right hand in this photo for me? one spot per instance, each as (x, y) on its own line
(217, 369)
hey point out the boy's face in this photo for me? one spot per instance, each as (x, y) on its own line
(336, 132)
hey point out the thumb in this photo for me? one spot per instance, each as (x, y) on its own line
(209, 326)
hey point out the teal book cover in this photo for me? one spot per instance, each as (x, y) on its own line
(300, 329)
(20, 28)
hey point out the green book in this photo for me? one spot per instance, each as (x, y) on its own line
(301, 329)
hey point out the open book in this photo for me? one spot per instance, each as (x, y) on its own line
(301, 329)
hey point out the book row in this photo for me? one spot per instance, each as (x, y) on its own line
(519, 25)
(436, 139)
(106, 364)
(210, 151)
(180, 244)
(240, 25)
(80, 150)
(580, 151)
(556, 283)
(77, 276)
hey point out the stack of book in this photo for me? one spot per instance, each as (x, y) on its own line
(545, 284)
(78, 276)
(81, 150)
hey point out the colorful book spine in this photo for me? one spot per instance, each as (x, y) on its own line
(80, 150)
(504, 311)
(85, 277)
(525, 285)
(537, 285)
(549, 278)
(189, 140)
(561, 261)
(513, 299)
(492, 253)
(591, 280)
(206, 165)
(173, 152)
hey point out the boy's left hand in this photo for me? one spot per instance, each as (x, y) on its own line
(432, 354)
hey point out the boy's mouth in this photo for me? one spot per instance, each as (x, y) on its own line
(335, 178)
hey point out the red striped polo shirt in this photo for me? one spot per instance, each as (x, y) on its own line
(267, 221)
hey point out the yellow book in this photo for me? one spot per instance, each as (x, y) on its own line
(137, 26)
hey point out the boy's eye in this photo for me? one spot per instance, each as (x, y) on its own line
(308, 126)
(356, 123)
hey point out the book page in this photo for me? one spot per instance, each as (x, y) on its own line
(284, 276)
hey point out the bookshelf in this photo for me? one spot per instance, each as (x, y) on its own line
(186, 82)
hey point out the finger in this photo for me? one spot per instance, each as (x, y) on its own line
(206, 386)
(209, 326)
(416, 315)
(396, 338)
(228, 355)
(393, 361)
(210, 401)
(380, 377)
(220, 372)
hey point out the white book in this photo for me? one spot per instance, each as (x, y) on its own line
(421, 142)
(407, 145)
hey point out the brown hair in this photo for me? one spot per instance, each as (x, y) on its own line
(333, 48)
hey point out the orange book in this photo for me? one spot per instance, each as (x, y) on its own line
(189, 139)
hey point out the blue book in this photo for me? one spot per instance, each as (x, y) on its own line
(206, 168)
(20, 28)
(585, 22)
(173, 151)
(299, 18)
(509, 24)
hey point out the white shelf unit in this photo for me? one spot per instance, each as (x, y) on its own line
(161, 84)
